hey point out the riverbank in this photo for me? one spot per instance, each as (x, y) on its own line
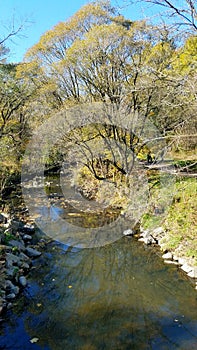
(159, 235)
(176, 232)
(19, 247)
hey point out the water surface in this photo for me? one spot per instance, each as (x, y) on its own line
(117, 297)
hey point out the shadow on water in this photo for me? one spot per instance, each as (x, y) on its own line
(120, 296)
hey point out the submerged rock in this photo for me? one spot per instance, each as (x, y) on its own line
(22, 281)
(32, 253)
(11, 296)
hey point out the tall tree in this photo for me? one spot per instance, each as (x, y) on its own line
(182, 14)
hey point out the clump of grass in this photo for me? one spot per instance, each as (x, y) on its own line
(180, 222)
(179, 218)
(7, 237)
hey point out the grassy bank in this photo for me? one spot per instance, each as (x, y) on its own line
(179, 220)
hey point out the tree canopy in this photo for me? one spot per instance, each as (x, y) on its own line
(98, 55)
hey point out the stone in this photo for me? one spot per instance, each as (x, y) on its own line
(193, 273)
(22, 281)
(32, 253)
(182, 261)
(3, 219)
(16, 225)
(1, 309)
(175, 257)
(158, 231)
(11, 259)
(186, 268)
(27, 237)
(24, 257)
(11, 271)
(9, 285)
(10, 296)
(15, 290)
(171, 262)
(29, 228)
(128, 232)
(167, 256)
(145, 234)
(149, 240)
(17, 244)
(25, 266)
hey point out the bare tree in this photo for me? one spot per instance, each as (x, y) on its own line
(183, 14)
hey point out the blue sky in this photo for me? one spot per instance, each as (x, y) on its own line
(40, 16)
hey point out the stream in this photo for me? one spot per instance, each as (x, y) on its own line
(119, 296)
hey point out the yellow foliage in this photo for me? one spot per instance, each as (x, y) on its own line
(186, 60)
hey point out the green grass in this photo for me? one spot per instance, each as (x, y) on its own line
(180, 219)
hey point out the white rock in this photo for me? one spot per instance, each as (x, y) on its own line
(175, 257)
(182, 261)
(157, 231)
(171, 262)
(186, 268)
(146, 233)
(128, 232)
(167, 256)
(193, 273)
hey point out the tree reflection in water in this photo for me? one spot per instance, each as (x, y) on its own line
(120, 296)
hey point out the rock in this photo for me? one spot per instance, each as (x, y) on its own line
(128, 232)
(11, 288)
(167, 256)
(1, 309)
(11, 259)
(158, 231)
(17, 244)
(15, 290)
(186, 268)
(182, 261)
(175, 258)
(10, 296)
(11, 271)
(32, 253)
(16, 225)
(27, 237)
(25, 266)
(23, 257)
(8, 230)
(28, 229)
(171, 262)
(149, 240)
(3, 219)
(145, 234)
(22, 281)
(193, 273)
